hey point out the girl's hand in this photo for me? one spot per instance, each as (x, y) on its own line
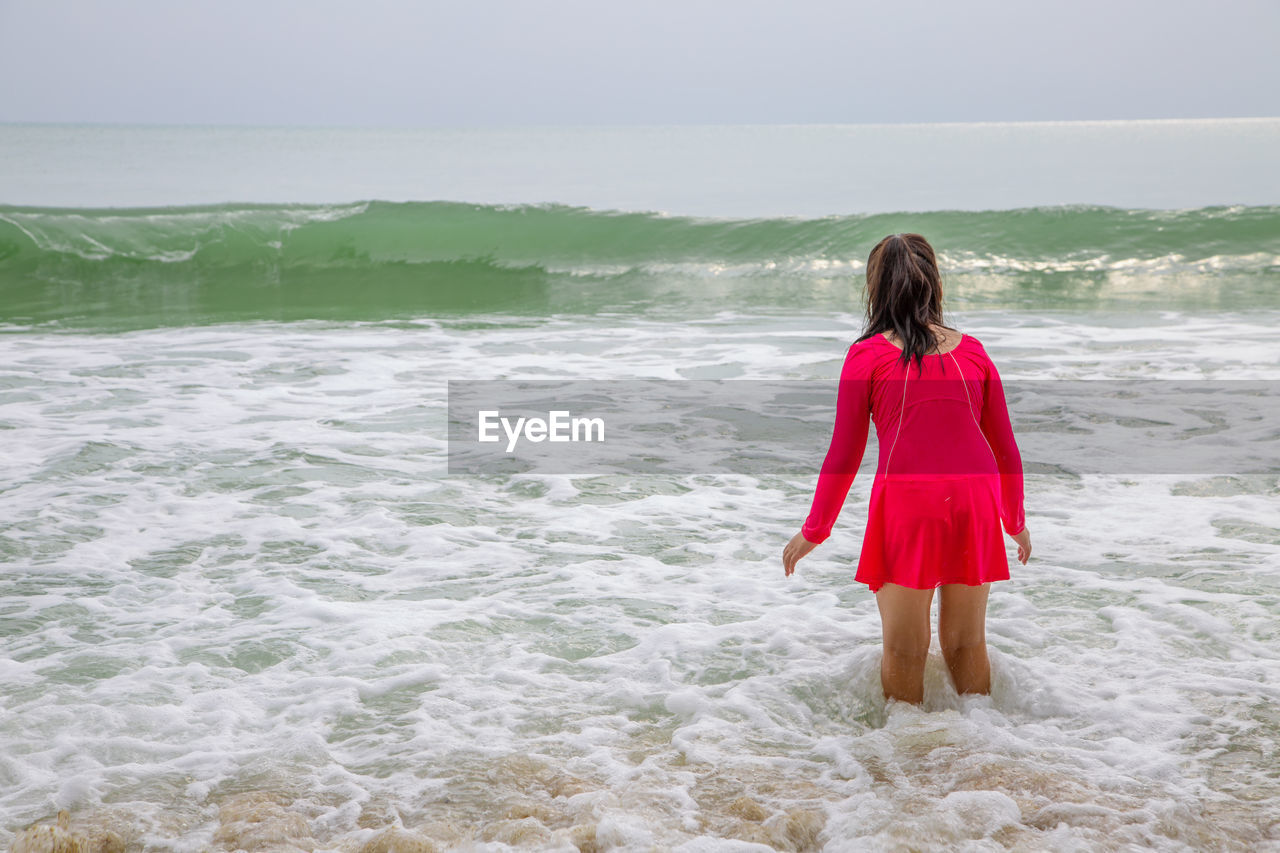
(1023, 538)
(796, 548)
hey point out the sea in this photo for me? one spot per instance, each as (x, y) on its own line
(246, 603)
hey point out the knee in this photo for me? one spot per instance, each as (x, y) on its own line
(912, 649)
(952, 646)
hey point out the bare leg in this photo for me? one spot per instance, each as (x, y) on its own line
(904, 617)
(962, 621)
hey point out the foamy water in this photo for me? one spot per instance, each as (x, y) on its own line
(246, 608)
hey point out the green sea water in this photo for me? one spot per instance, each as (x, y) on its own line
(136, 268)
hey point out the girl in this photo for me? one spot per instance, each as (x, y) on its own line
(949, 473)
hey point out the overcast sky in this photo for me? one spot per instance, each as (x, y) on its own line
(519, 62)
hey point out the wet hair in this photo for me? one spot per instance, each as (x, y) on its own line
(904, 295)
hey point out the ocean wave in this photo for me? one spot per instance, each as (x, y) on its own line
(235, 261)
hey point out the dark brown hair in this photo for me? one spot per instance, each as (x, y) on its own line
(904, 294)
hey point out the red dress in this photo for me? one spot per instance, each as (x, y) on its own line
(949, 473)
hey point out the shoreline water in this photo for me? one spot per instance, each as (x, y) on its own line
(245, 571)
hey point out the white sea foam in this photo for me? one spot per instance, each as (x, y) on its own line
(1147, 273)
(245, 601)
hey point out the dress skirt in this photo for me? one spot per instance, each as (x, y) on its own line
(924, 531)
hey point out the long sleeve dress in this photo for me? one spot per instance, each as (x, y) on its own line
(949, 474)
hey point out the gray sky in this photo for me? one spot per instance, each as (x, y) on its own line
(515, 62)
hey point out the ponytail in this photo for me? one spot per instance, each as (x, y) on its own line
(904, 294)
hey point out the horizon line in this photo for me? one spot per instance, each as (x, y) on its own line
(615, 126)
